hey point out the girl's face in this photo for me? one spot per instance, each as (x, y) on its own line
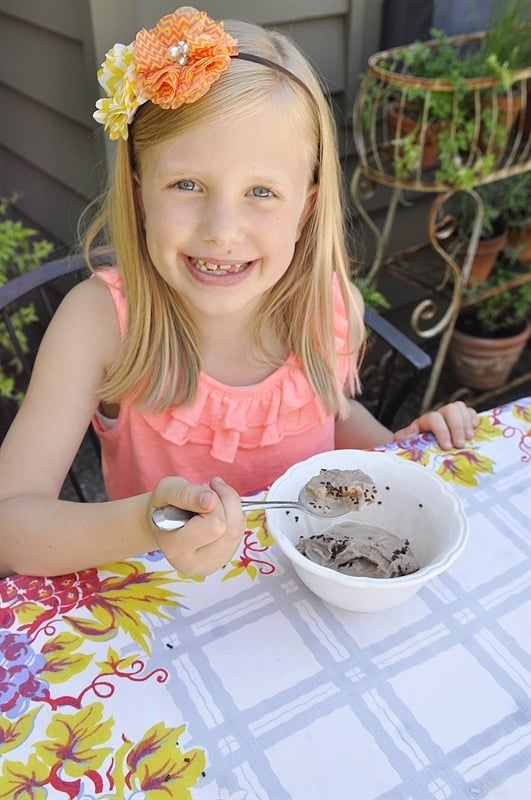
(224, 205)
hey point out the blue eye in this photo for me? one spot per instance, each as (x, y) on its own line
(186, 185)
(261, 191)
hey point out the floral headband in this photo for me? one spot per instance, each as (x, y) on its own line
(174, 63)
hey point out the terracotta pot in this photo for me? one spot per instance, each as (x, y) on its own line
(520, 239)
(487, 252)
(401, 123)
(479, 363)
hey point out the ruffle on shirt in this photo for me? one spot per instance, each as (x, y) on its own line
(229, 418)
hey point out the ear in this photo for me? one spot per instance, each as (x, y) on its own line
(308, 209)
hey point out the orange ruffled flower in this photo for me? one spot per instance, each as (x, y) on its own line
(179, 59)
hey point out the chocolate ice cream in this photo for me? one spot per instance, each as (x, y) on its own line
(361, 550)
(337, 491)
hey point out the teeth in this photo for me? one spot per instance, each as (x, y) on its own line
(209, 266)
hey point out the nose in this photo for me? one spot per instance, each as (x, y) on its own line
(222, 221)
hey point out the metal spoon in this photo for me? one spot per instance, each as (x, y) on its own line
(170, 518)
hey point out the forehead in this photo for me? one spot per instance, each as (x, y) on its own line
(268, 136)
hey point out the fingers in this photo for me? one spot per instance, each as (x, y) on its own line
(179, 492)
(452, 425)
(404, 433)
(211, 537)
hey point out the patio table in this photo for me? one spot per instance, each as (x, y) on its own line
(134, 683)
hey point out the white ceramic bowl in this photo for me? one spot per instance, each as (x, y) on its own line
(412, 503)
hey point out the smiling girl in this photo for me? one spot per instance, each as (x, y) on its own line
(223, 345)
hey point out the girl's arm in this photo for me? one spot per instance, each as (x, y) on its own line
(452, 425)
(42, 535)
(360, 430)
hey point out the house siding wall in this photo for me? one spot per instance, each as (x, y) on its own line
(52, 152)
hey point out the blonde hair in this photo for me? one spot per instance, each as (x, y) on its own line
(158, 363)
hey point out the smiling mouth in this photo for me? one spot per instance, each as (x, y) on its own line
(218, 269)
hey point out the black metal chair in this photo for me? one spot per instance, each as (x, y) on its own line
(399, 365)
(43, 288)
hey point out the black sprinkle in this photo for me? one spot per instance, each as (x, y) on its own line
(203, 774)
(296, 519)
(186, 760)
(420, 505)
(169, 645)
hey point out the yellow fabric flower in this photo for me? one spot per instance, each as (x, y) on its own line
(117, 76)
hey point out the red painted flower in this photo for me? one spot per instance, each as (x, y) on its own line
(181, 57)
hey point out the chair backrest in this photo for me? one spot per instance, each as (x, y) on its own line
(41, 290)
(388, 379)
(393, 372)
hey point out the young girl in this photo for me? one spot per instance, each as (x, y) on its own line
(225, 342)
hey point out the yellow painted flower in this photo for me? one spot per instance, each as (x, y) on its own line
(161, 768)
(486, 430)
(74, 740)
(122, 601)
(25, 781)
(463, 467)
(156, 766)
(14, 732)
(522, 410)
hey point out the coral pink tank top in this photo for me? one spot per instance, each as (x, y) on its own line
(247, 435)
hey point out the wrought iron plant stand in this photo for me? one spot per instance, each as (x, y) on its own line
(382, 143)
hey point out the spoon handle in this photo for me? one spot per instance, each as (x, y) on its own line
(171, 518)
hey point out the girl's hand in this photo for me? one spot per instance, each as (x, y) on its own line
(452, 425)
(209, 539)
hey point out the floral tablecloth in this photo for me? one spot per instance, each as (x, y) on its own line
(133, 683)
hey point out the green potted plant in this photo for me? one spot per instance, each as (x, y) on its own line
(439, 103)
(493, 236)
(493, 326)
(514, 204)
(20, 250)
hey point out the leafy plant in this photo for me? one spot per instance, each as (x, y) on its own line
(501, 312)
(507, 44)
(372, 298)
(513, 200)
(435, 85)
(20, 251)
(506, 204)
(465, 212)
